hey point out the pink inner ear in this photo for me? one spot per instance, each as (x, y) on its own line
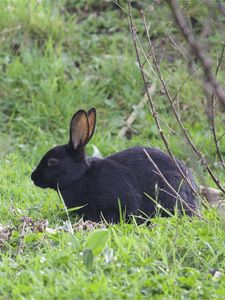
(91, 122)
(79, 129)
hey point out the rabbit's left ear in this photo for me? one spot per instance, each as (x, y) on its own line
(79, 130)
(91, 115)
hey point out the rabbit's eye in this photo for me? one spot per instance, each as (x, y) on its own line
(52, 162)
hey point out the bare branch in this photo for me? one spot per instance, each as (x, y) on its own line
(175, 193)
(184, 82)
(197, 51)
(218, 4)
(151, 102)
(213, 108)
(134, 114)
(221, 6)
(194, 66)
(185, 131)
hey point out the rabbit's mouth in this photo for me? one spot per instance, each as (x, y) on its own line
(38, 182)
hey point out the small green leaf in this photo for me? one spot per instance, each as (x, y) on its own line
(96, 241)
(75, 208)
(88, 258)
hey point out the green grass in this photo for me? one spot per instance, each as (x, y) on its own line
(57, 57)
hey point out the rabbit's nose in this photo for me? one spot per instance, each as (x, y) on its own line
(33, 175)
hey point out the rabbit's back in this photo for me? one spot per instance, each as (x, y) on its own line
(137, 157)
(138, 162)
(147, 181)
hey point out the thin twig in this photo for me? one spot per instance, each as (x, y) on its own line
(151, 102)
(215, 4)
(194, 66)
(134, 113)
(175, 193)
(185, 131)
(26, 221)
(184, 82)
(198, 52)
(146, 139)
(159, 75)
(221, 6)
(122, 9)
(213, 108)
(173, 131)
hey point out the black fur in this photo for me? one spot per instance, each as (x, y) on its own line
(98, 184)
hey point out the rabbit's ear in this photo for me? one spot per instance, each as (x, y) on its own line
(91, 114)
(79, 129)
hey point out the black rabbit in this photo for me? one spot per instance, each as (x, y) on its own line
(123, 179)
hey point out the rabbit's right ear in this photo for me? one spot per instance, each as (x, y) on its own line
(91, 115)
(79, 129)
